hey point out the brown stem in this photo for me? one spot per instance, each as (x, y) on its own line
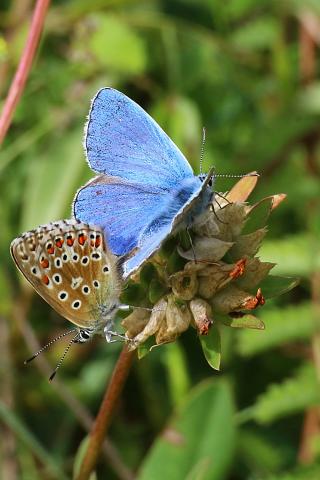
(105, 414)
(20, 78)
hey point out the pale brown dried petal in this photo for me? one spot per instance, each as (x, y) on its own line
(202, 314)
(214, 277)
(178, 318)
(135, 322)
(248, 245)
(184, 284)
(231, 220)
(206, 248)
(157, 317)
(242, 189)
(255, 272)
(233, 298)
(206, 224)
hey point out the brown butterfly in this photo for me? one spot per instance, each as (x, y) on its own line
(69, 264)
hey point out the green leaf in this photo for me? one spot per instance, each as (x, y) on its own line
(247, 321)
(274, 285)
(145, 348)
(177, 371)
(294, 255)
(260, 453)
(156, 290)
(52, 182)
(112, 41)
(282, 325)
(211, 346)
(258, 34)
(291, 396)
(15, 424)
(258, 216)
(199, 442)
(305, 472)
(82, 449)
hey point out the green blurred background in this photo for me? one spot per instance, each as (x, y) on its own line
(248, 71)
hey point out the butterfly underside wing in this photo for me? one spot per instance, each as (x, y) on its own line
(69, 264)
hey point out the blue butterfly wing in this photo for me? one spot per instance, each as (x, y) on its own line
(123, 140)
(137, 215)
(122, 209)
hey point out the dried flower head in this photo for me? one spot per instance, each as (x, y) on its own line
(209, 278)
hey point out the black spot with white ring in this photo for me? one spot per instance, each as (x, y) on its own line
(76, 304)
(85, 289)
(96, 284)
(57, 278)
(85, 260)
(57, 262)
(63, 296)
(105, 269)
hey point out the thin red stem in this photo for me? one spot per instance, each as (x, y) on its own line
(105, 414)
(20, 78)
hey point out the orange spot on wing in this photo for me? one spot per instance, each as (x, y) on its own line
(45, 279)
(98, 241)
(44, 263)
(59, 242)
(82, 238)
(50, 250)
(70, 241)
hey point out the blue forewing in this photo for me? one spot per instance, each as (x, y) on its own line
(145, 188)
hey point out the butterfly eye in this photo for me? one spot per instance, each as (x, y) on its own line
(84, 335)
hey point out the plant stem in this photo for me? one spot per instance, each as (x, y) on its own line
(105, 413)
(20, 78)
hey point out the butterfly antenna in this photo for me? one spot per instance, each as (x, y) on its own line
(202, 148)
(230, 175)
(49, 344)
(53, 374)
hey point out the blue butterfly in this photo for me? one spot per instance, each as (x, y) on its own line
(146, 187)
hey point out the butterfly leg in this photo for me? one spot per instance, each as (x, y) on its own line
(191, 243)
(110, 334)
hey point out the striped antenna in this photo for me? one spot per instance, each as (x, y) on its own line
(49, 344)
